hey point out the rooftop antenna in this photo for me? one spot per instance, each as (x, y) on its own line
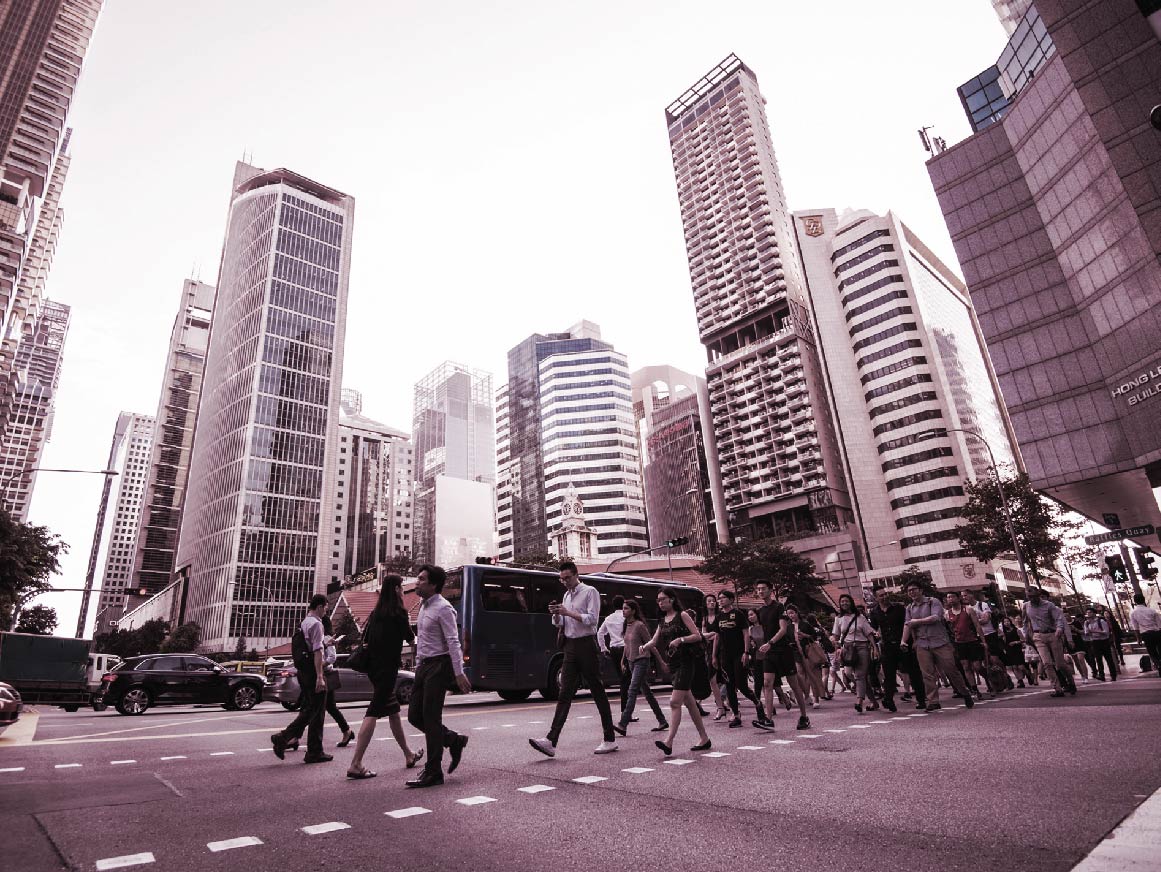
(933, 145)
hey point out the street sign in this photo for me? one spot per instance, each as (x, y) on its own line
(1117, 535)
(1111, 520)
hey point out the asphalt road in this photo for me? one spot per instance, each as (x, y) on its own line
(1024, 783)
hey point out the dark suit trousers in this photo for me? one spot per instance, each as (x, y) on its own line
(310, 718)
(425, 711)
(582, 659)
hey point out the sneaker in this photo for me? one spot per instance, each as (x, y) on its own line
(764, 724)
(803, 723)
(907, 696)
(736, 722)
(605, 748)
(544, 746)
(816, 704)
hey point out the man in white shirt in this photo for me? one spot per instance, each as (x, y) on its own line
(439, 665)
(611, 638)
(308, 661)
(1147, 624)
(577, 619)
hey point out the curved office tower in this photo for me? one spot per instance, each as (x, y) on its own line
(263, 471)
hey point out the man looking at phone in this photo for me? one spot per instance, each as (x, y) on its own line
(577, 618)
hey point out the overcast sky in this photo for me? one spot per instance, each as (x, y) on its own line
(509, 162)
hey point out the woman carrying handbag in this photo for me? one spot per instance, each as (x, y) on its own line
(855, 635)
(678, 636)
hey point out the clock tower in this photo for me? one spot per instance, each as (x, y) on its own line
(573, 538)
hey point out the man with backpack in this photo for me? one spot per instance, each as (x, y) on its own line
(307, 651)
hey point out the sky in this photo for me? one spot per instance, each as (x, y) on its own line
(509, 161)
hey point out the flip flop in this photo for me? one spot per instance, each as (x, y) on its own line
(418, 756)
(360, 775)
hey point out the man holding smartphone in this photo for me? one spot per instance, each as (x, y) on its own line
(577, 618)
(307, 649)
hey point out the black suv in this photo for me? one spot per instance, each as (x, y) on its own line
(176, 679)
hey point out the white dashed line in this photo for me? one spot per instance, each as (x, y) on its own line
(919, 716)
(408, 812)
(178, 757)
(535, 788)
(230, 844)
(222, 754)
(751, 747)
(678, 762)
(121, 762)
(880, 722)
(590, 779)
(477, 729)
(584, 717)
(319, 829)
(68, 766)
(13, 769)
(789, 741)
(1132, 845)
(902, 718)
(416, 735)
(800, 735)
(264, 750)
(834, 731)
(126, 860)
(475, 800)
(507, 725)
(859, 727)
(536, 722)
(716, 754)
(637, 770)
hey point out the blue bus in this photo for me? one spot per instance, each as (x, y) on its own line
(508, 637)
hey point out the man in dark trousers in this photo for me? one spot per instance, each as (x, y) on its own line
(439, 666)
(887, 618)
(729, 647)
(308, 661)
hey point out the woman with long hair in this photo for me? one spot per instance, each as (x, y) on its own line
(853, 630)
(811, 655)
(387, 629)
(709, 632)
(637, 662)
(677, 634)
(755, 636)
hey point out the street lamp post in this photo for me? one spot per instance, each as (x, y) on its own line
(939, 431)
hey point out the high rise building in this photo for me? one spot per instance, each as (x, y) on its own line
(779, 457)
(115, 541)
(28, 405)
(373, 514)
(263, 472)
(454, 434)
(907, 372)
(177, 409)
(1054, 215)
(679, 460)
(597, 375)
(42, 48)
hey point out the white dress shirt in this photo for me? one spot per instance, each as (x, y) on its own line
(1144, 619)
(436, 633)
(614, 627)
(584, 600)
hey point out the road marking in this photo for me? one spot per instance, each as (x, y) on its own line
(790, 741)
(919, 716)
(751, 747)
(264, 750)
(536, 722)
(222, 754)
(68, 766)
(507, 725)
(92, 736)
(880, 722)
(230, 844)
(475, 800)
(477, 729)
(834, 731)
(802, 736)
(535, 788)
(637, 770)
(1132, 845)
(125, 860)
(678, 762)
(901, 718)
(121, 762)
(13, 769)
(408, 812)
(319, 829)
(716, 754)
(175, 757)
(590, 779)
(859, 727)
(416, 736)
(584, 717)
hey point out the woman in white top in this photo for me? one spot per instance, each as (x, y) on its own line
(853, 630)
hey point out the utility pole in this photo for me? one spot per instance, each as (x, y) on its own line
(1129, 567)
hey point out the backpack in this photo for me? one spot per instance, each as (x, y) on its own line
(300, 652)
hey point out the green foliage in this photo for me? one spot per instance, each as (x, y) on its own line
(1040, 527)
(29, 557)
(184, 640)
(146, 639)
(400, 564)
(346, 633)
(536, 560)
(240, 649)
(40, 620)
(744, 564)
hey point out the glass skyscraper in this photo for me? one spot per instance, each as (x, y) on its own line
(265, 453)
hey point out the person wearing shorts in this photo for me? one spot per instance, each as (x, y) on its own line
(778, 656)
(968, 636)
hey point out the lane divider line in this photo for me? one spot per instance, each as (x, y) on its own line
(476, 800)
(231, 844)
(319, 829)
(121, 762)
(536, 788)
(590, 779)
(125, 860)
(637, 770)
(414, 810)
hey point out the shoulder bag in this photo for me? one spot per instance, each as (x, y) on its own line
(849, 655)
(360, 659)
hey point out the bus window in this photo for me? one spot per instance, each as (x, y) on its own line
(542, 591)
(504, 593)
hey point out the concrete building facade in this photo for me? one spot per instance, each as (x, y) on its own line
(1055, 214)
(263, 474)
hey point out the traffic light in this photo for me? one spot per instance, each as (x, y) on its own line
(1145, 566)
(680, 540)
(1116, 567)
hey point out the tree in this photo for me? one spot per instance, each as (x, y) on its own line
(240, 649)
(1039, 525)
(400, 564)
(29, 557)
(1079, 562)
(40, 620)
(536, 560)
(183, 640)
(744, 564)
(146, 639)
(346, 633)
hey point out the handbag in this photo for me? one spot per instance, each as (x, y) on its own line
(815, 655)
(331, 677)
(850, 654)
(360, 659)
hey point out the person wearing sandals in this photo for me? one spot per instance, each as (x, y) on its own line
(636, 635)
(709, 632)
(386, 630)
(677, 635)
(853, 629)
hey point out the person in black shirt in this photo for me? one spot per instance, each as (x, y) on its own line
(778, 652)
(888, 618)
(386, 630)
(728, 651)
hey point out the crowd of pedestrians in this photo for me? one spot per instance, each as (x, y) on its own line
(890, 652)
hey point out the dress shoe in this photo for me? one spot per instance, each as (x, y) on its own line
(666, 749)
(736, 722)
(317, 758)
(347, 737)
(703, 746)
(967, 701)
(803, 723)
(619, 730)
(889, 705)
(456, 752)
(660, 728)
(933, 707)
(279, 744)
(426, 779)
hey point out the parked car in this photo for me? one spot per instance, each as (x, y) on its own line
(177, 679)
(10, 706)
(356, 686)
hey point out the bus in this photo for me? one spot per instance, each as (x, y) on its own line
(508, 637)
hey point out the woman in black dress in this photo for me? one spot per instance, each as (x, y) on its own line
(676, 636)
(709, 632)
(386, 631)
